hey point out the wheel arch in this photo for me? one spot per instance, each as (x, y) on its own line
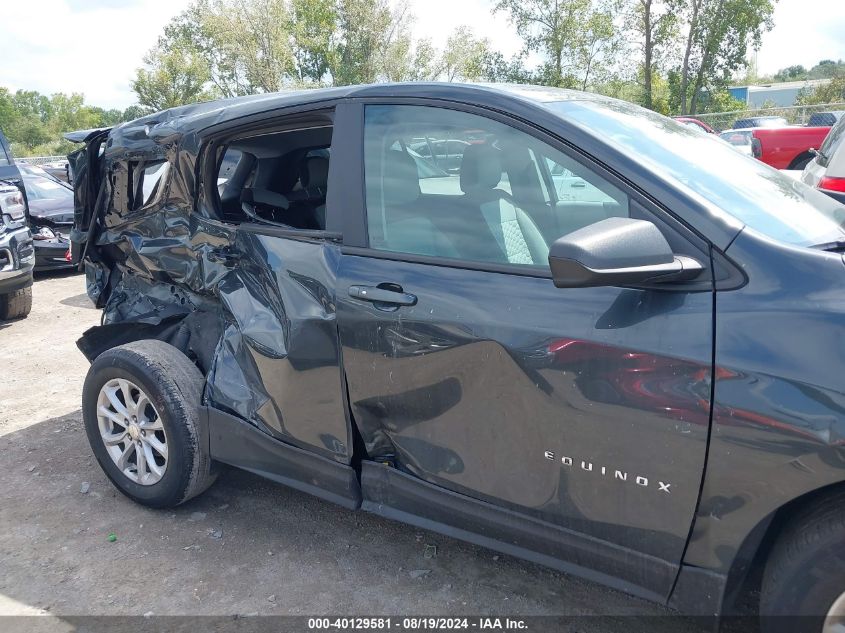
(745, 574)
(801, 158)
(180, 331)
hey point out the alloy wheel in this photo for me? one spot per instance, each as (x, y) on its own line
(132, 431)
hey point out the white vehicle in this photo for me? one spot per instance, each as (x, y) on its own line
(827, 170)
(740, 139)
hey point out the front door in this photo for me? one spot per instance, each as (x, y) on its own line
(584, 408)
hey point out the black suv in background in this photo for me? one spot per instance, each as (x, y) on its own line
(17, 256)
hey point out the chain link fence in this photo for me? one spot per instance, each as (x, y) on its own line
(794, 115)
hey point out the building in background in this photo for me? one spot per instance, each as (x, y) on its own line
(778, 94)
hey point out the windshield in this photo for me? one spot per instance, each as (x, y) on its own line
(759, 196)
(41, 188)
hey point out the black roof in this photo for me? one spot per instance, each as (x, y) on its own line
(198, 116)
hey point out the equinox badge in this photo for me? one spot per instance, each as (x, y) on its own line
(606, 471)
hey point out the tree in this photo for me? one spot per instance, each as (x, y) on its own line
(34, 123)
(370, 37)
(172, 77)
(791, 73)
(312, 27)
(574, 36)
(655, 25)
(463, 56)
(718, 34)
(496, 68)
(831, 92)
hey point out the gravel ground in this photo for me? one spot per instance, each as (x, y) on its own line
(247, 546)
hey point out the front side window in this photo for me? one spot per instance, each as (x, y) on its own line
(444, 183)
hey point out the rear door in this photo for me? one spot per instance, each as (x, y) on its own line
(584, 408)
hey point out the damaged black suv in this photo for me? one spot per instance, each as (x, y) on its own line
(547, 322)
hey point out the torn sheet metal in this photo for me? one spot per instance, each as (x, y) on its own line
(255, 312)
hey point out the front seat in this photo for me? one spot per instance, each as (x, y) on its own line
(515, 233)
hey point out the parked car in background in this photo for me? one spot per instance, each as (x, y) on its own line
(825, 119)
(740, 139)
(50, 217)
(603, 341)
(445, 154)
(16, 252)
(695, 124)
(827, 169)
(787, 147)
(760, 121)
(59, 169)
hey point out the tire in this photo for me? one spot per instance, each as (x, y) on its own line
(803, 576)
(16, 305)
(173, 386)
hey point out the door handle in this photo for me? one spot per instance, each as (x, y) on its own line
(374, 294)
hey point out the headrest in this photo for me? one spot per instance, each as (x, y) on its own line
(401, 179)
(315, 172)
(481, 168)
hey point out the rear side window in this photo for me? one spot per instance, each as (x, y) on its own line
(276, 177)
(146, 182)
(450, 184)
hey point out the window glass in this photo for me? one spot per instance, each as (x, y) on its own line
(152, 177)
(4, 157)
(146, 183)
(43, 188)
(280, 178)
(444, 183)
(832, 142)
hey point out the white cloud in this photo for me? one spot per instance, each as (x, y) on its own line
(91, 47)
(805, 32)
(437, 19)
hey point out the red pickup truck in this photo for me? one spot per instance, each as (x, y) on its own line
(787, 147)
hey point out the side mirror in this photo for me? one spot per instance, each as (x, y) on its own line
(617, 252)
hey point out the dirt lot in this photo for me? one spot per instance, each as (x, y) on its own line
(246, 546)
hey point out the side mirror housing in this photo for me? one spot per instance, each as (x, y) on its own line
(617, 252)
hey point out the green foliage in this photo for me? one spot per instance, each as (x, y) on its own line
(173, 76)
(718, 34)
(825, 69)
(577, 38)
(34, 123)
(832, 92)
(791, 73)
(721, 101)
(673, 56)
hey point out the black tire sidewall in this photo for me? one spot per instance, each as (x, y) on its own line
(807, 590)
(170, 489)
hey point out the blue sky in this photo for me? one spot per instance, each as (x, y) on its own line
(49, 47)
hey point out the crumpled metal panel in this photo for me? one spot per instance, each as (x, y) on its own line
(256, 312)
